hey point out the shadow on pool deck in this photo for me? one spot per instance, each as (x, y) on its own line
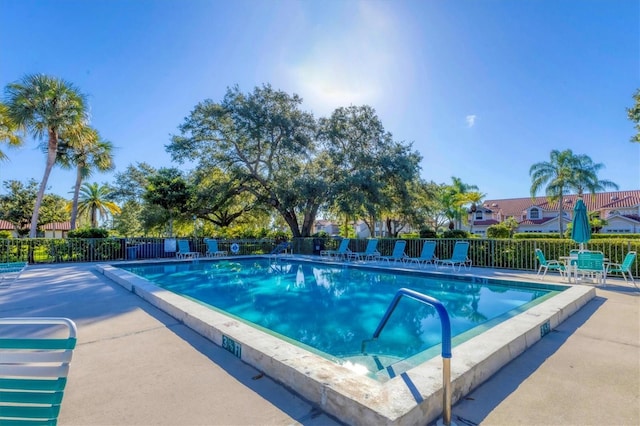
(125, 372)
(135, 365)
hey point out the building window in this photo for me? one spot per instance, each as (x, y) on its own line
(478, 215)
(534, 214)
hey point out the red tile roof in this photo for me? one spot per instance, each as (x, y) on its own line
(6, 226)
(538, 221)
(53, 226)
(604, 200)
(57, 226)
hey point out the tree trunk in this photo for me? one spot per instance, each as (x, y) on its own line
(52, 149)
(309, 219)
(94, 217)
(76, 195)
(292, 221)
(560, 212)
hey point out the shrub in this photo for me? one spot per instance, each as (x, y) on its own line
(455, 233)
(428, 233)
(5, 234)
(89, 233)
(498, 231)
(536, 235)
(409, 235)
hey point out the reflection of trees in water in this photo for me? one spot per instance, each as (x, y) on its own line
(303, 300)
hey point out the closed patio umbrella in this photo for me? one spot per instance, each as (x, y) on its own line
(581, 229)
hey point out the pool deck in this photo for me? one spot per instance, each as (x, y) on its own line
(136, 365)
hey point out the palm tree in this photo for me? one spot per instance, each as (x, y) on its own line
(8, 130)
(85, 150)
(94, 201)
(46, 106)
(471, 200)
(453, 199)
(557, 175)
(585, 177)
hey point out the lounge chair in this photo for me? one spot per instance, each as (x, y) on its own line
(34, 364)
(10, 272)
(398, 254)
(212, 249)
(283, 247)
(370, 252)
(342, 251)
(548, 265)
(184, 252)
(591, 263)
(458, 257)
(624, 267)
(427, 255)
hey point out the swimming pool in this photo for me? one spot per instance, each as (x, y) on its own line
(414, 396)
(333, 309)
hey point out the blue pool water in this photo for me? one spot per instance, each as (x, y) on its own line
(332, 309)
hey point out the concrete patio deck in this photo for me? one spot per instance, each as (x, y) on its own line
(135, 365)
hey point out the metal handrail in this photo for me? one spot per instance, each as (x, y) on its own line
(446, 341)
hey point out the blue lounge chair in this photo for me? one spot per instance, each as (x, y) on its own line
(10, 272)
(458, 257)
(624, 267)
(427, 255)
(548, 265)
(184, 251)
(283, 247)
(34, 364)
(398, 254)
(370, 252)
(341, 253)
(212, 248)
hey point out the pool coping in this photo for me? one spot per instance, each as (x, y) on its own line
(413, 397)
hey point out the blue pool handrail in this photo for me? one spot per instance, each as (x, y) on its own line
(442, 312)
(446, 341)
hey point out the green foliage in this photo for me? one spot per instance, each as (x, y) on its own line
(93, 202)
(536, 235)
(16, 206)
(84, 150)
(131, 184)
(9, 131)
(428, 233)
(615, 236)
(564, 172)
(89, 233)
(371, 175)
(263, 148)
(5, 234)
(127, 223)
(498, 231)
(168, 190)
(634, 115)
(347, 231)
(455, 233)
(53, 209)
(409, 236)
(46, 107)
(221, 198)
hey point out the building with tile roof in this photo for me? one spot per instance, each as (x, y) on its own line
(620, 209)
(50, 230)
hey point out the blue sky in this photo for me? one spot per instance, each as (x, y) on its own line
(482, 88)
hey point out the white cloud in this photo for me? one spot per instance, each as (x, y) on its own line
(471, 120)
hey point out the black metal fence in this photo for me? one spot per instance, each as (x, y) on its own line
(492, 253)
